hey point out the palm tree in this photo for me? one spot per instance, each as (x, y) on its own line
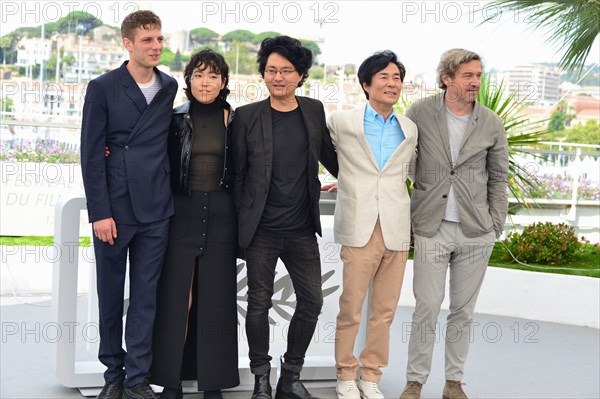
(575, 24)
(520, 130)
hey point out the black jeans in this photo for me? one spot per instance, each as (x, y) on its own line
(303, 263)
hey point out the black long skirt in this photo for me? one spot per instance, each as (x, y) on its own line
(202, 243)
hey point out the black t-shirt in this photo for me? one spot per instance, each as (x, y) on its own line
(287, 210)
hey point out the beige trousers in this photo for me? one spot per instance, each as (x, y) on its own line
(384, 269)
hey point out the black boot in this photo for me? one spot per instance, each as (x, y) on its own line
(289, 386)
(262, 387)
(213, 394)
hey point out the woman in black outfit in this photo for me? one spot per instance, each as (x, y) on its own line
(196, 329)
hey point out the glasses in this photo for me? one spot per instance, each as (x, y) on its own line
(283, 72)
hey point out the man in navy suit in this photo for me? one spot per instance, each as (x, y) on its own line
(129, 199)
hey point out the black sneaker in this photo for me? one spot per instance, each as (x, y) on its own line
(111, 390)
(140, 391)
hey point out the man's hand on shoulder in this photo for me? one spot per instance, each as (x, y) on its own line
(105, 230)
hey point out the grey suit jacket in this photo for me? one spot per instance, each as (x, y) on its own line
(479, 176)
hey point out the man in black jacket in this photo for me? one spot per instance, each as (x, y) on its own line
(277, 144)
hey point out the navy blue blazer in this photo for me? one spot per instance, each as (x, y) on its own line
(131, 185)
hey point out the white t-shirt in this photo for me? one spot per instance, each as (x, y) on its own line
(151, 88)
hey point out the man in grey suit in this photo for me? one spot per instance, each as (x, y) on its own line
(458, 208)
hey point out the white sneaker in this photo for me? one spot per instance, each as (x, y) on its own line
(347, 389)
(369, 390)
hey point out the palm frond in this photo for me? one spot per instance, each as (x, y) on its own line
(521, 132)
(574, 24)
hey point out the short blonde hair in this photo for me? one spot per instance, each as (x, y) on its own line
(451, 60)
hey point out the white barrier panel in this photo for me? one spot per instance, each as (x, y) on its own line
(30, 192)
(319, 362)
(64, 301)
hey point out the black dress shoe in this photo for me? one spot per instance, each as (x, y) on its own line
(140, 391)
(262, 387)
(111, 390)
(213, 394)
(172, 393)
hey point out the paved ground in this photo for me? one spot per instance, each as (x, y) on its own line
(510, 358)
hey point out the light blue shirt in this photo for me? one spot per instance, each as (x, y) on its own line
(383, 136)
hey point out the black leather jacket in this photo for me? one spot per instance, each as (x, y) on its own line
(181, 137)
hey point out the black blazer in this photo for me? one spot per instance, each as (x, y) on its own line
(252, 139)
(131, 185)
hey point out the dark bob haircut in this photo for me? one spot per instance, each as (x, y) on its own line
(376, 63)
(288, 47)
(204, 59)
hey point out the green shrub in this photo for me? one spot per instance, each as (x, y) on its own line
(544, 243)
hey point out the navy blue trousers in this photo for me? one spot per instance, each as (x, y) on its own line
(146, 245)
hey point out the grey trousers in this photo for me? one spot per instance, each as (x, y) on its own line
(467, 260)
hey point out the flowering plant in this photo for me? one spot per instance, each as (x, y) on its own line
(49, 151)
(557, 187)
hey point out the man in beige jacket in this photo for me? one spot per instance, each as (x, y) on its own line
(375, 147)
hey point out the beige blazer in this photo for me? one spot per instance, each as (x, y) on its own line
(366, 193)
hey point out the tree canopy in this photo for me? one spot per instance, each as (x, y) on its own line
(312, 46)
(202, 35)
(588, 133)
(76, 21)
(238, 35)
(240, 59)
(175, 61)
(263, 35)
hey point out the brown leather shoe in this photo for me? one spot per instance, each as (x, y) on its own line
(412, 390)
(453, 390)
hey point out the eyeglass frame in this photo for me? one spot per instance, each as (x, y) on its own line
(284, 72)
